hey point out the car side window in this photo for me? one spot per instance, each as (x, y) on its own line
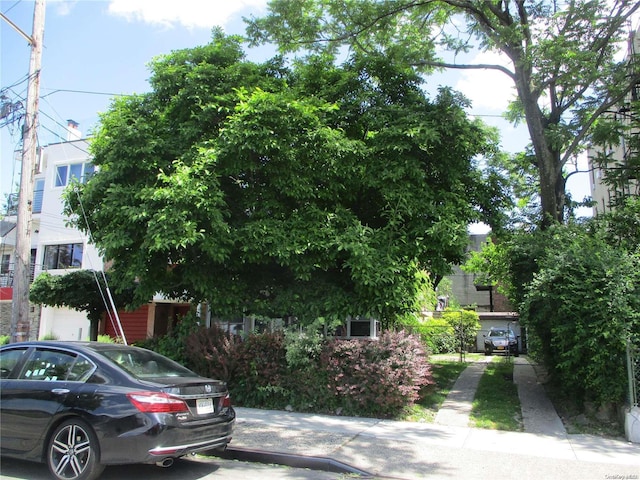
(9, 359)
(49, 365)
(81, 370)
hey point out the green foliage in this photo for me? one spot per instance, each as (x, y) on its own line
(173, 344)
(440, 336)
(49, 336)
(302, 347)
(621, 226)
(354, 377)
(576, 287)
(313, 190)
(436, 334)
(83, 290)
(509, 262)
(106, 339)
(465, 324)
(4, 339)
(583, 304)
(561, 56)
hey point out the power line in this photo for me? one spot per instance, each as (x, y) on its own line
(87, 92)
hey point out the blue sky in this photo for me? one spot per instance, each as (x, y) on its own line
(94, 49)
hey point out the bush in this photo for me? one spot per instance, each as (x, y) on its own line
(108, 339)
(261, 370)
(583, 305)
(376, 378)
(212, 352)
(465, 324)
(4, 339)
(308, 373)
(438, 336)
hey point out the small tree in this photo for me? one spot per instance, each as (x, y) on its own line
(81, 290)
(465, 324)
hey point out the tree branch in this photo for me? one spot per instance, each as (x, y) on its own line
(479, 66)
(598, 112)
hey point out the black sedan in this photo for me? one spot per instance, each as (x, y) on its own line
(79, 406)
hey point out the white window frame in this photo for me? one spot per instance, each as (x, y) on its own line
(73, 246)
(86, 169)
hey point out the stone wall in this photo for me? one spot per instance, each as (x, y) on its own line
(5, 319)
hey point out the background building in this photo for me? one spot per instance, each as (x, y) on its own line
(57, 248)
(616, 178)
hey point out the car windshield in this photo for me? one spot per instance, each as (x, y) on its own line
(500, 333)
(146, 364)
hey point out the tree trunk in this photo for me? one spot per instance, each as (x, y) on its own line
(552, 185)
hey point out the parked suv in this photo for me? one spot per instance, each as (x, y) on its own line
(500, 340)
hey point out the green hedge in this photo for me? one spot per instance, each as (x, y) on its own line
(352, 377)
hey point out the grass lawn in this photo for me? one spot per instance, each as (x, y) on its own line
(496, 404)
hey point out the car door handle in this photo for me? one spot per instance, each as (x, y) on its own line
(60, 391)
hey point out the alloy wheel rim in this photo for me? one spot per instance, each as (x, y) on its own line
(70, 452)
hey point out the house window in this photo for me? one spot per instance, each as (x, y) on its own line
(38, 192)
(6, 261)
(58, 257)
(367, 327)
(79, 171)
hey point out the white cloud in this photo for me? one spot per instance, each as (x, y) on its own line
(64, 7)
(487, 89)
(186, 13)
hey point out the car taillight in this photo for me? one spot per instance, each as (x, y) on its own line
(226, 401)
(156, 402)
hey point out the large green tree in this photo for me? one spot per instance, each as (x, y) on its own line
(312, 190)
(561, 57)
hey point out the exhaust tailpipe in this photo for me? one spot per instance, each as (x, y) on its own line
(165, 463)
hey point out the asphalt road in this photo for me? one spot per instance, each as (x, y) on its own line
(192, 468)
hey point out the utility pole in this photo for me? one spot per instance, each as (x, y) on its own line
(20, 322)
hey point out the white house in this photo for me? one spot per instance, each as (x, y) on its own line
(55, 247)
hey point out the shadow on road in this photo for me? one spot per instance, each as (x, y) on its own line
(11, 469)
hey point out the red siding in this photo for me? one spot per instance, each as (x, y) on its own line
(134, 324)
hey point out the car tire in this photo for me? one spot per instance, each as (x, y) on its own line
(73, 453)
(488, 352)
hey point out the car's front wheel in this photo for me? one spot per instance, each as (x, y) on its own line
(72, 453)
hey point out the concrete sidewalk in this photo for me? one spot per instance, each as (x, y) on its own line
(456, 408)
(406, 450)
(538, 413)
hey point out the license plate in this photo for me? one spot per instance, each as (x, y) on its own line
(204, 406)
(500, 348)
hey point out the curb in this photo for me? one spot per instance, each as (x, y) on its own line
(296, 461)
